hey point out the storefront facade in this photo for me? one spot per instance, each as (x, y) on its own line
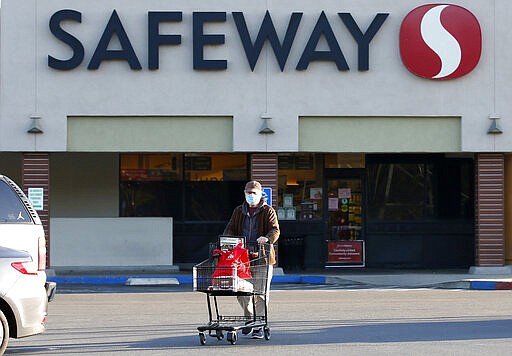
(378, 127)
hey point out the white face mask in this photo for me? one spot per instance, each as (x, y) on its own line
(252, 199)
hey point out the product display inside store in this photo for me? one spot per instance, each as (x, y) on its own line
(300, 187)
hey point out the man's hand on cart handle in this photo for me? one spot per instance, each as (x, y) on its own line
(262, 240)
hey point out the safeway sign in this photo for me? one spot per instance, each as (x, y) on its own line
(439, 41)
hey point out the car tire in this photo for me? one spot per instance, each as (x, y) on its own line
(4, 333)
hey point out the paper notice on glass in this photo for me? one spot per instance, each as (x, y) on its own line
(315, 193)
(333, 204)
(344, 193)
(290, 214)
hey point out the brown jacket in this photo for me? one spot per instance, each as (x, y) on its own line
(268, 226)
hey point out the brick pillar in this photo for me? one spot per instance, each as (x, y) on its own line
(264, 170)
(36, 174)
(490, 210)
(508, 209)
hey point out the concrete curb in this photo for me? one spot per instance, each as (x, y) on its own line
(164, 281)
(468, 284)
(476, 284)
(451, 285)
(159, 280)
(116, 280)
(490, 285)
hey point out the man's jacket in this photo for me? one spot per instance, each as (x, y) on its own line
(267, 224)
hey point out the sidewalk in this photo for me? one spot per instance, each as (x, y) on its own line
(426, 279)
(447, 279)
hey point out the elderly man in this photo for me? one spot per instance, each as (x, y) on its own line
(257, 221)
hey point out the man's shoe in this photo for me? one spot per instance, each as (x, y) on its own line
(246, 330)
(257, 333)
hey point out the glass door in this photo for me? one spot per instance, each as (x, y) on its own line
(345, 209)
(345, 240)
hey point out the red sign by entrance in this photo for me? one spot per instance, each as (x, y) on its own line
(346, 252)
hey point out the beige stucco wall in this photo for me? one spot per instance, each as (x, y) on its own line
(30, 87)
(111, 242)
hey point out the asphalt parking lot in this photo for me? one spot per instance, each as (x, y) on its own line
(310, 321)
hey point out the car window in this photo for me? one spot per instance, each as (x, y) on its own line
(12, 209)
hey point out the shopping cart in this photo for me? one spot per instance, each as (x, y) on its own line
(219, 281)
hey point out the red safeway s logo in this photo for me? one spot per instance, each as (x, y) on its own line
(440, 41)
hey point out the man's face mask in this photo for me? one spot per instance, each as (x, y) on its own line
(252, 197)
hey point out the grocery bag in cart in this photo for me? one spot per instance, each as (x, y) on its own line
(232, 270)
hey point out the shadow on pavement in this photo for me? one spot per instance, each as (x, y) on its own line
(290, 333)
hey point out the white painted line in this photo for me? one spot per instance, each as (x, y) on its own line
(151, 281)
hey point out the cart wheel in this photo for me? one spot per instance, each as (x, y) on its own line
(266, 331)
(202, 338)
(219, 334)
(232, 337)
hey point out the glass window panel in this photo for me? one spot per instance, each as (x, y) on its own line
(212, 200)
(344, 160)
(215, 167)
(455, 197)
(151, 185)
(300, 193)
(151, 198)
(214, 185)
(150, 167)
(12, 209)
(466, 202)
(399, 191)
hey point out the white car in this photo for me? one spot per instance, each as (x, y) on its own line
(24, 291)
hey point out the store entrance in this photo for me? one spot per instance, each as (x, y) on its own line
(345, 216)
